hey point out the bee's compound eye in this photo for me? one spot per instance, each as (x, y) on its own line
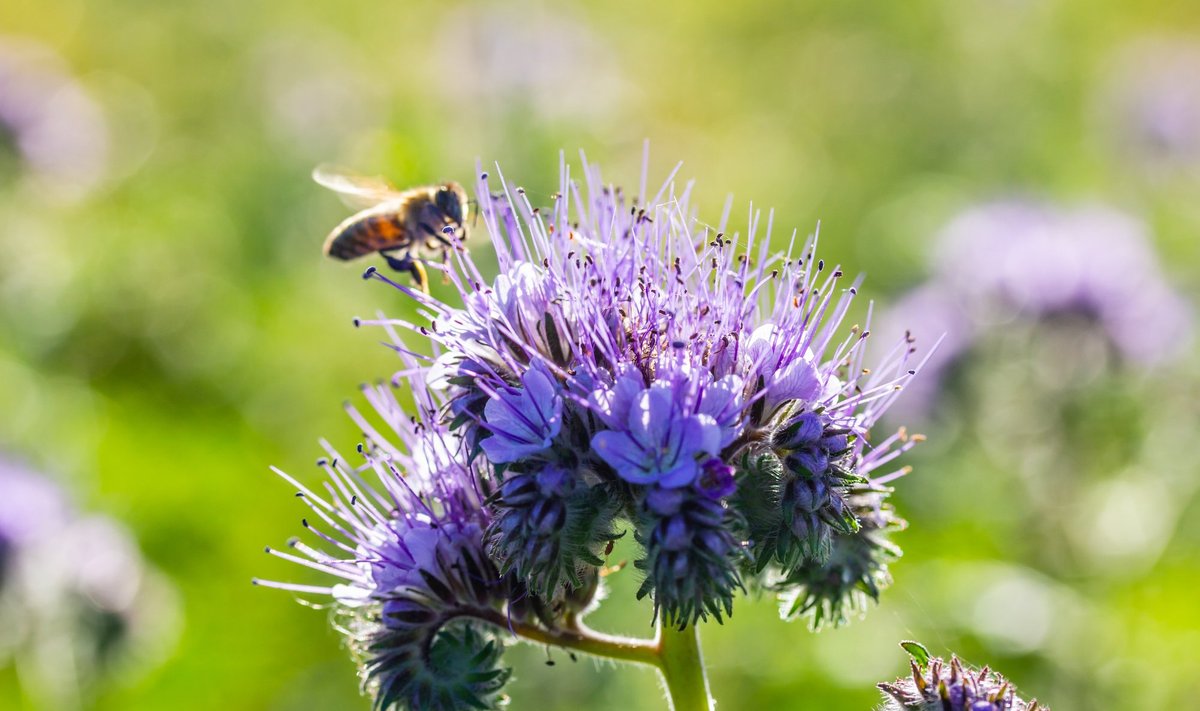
(449, 203)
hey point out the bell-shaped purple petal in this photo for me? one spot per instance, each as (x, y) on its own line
(612, 405)
(523, 421)
(661, 441)
(722, 400)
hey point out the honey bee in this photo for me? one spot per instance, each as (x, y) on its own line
(398, 224)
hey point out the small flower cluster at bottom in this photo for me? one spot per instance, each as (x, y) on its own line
(935, 685)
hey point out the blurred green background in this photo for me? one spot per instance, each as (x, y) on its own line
(168, 328)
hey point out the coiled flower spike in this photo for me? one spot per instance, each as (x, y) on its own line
(410, 552)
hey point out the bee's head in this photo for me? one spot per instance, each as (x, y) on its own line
(451, 199)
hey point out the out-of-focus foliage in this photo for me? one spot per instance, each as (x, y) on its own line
(168, 327)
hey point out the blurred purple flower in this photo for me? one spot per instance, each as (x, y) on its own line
(528, 62)
(1154, 99)
(1037, 260)
(30, 506)
(56, 129)
(1023, 260)
(73, 583)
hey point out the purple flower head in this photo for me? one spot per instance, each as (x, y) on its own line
(523, 420)
(626, 350)
(612, 295)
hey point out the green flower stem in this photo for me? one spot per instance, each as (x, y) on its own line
(582, 639)
(682, 667)
(674, 653)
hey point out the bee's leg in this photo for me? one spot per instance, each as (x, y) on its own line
(420, 275)
(402, 263)
(406, 263)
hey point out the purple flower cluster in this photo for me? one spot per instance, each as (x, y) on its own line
(629, 350)
(1015, 261)
(629, 369)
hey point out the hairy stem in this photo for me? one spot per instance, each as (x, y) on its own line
(581, 639)
(675, 653)
(682, 668)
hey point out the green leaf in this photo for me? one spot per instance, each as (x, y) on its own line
(918, 652)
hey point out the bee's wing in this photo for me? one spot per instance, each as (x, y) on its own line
(357, 191)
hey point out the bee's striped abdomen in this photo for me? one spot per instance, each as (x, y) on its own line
(369, 231)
